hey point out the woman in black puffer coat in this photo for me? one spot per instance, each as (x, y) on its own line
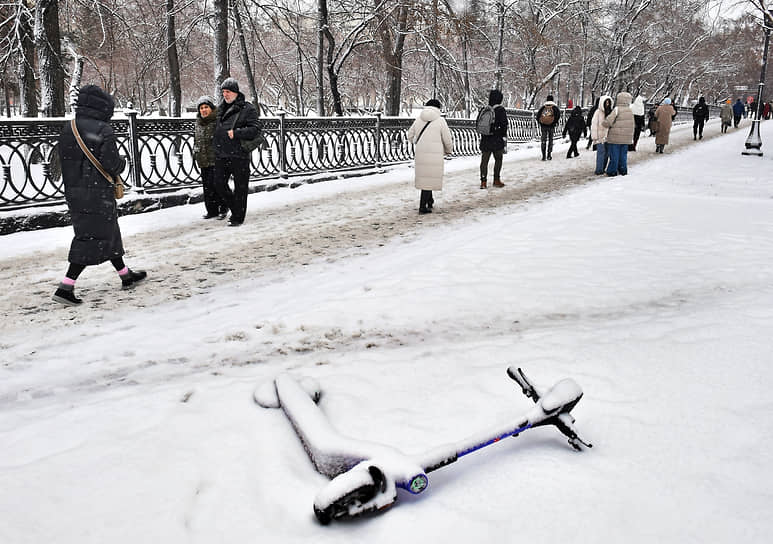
(90, 197)
(575, 127)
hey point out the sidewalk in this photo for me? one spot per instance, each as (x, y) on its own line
(45, 217)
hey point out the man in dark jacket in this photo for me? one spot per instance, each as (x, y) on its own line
(90, 196)
(547, 119)
(575, 127)
(237, 120)
(494, 143)
(738, 111)
(700, 114)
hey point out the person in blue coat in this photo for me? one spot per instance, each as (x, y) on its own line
(738, 112)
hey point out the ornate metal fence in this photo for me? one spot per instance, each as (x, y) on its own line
(159, 152)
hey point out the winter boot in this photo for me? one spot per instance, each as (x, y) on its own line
(498, 183)
(483, 184)
(65, 294)
(132, 277)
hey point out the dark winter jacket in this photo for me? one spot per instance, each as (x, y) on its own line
(497, 140)
(700, 110)
(738, 109)
(90, 197)
(575, 125)
(240, 116)
(556, 114)
(591, 111)
(203, 145)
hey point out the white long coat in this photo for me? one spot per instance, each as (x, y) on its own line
(598, 132)
(434, 144)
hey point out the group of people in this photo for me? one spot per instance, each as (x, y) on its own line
(614, 129)
(89, 180)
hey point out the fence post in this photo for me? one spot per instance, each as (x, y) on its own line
(134, 152)
(378, 139)
(282, 142)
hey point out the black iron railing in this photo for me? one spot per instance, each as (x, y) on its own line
(159, 152)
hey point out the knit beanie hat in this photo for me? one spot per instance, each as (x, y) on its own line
(205, 100)
(230, 84)
(667, 101)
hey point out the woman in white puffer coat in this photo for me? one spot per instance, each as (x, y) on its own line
(432, 140)
(598, 132)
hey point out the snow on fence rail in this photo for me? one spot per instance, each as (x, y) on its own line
(159, 151)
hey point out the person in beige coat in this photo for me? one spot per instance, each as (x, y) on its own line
(620, 124)
(664, 115)
(432, 140)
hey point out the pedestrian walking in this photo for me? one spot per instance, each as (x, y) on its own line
(665, 116)
(621, 126)
(700, 114)
(432, 141)
(589, 120)
(637, 108)
(575, 127)
(599, 133)
(495, 142)
(90, 196)
(204, 155)
(738, 111)
(547, 118)
(726, 115)
(237, 120)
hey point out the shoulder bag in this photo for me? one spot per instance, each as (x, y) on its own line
(116, 182)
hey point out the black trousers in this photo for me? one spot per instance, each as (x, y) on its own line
(426, 200)
(638, 126)
(572, 147)
(213, 202)
(697, 127)
(484, 159)
(236, 200)
(546, 141)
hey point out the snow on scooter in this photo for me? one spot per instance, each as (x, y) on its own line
(365, 475)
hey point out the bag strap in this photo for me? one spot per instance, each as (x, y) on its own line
(89, 154)
(422, 132)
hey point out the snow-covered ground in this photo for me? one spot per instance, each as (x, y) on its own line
(131, 419)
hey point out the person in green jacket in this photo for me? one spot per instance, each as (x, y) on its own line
(204, 155)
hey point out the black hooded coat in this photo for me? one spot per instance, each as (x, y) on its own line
(575, 125)
(498, 138)
(90, 197)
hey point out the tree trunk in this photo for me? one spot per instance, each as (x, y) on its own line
(222, 71)
(321, 27)
(75, 79)
(28, 98)
(500, 44)
(392, 51)
(173, 62)
(48, 43)
(245, 55)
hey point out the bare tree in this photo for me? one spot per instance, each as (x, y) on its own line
(48, 45)
(391, 27)
(222, 69)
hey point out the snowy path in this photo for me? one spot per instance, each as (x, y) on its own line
(188, 256)
(132, 419)
(192, 257)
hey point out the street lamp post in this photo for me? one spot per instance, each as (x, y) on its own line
(754, 141)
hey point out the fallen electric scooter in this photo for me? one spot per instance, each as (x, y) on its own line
(366, 475)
